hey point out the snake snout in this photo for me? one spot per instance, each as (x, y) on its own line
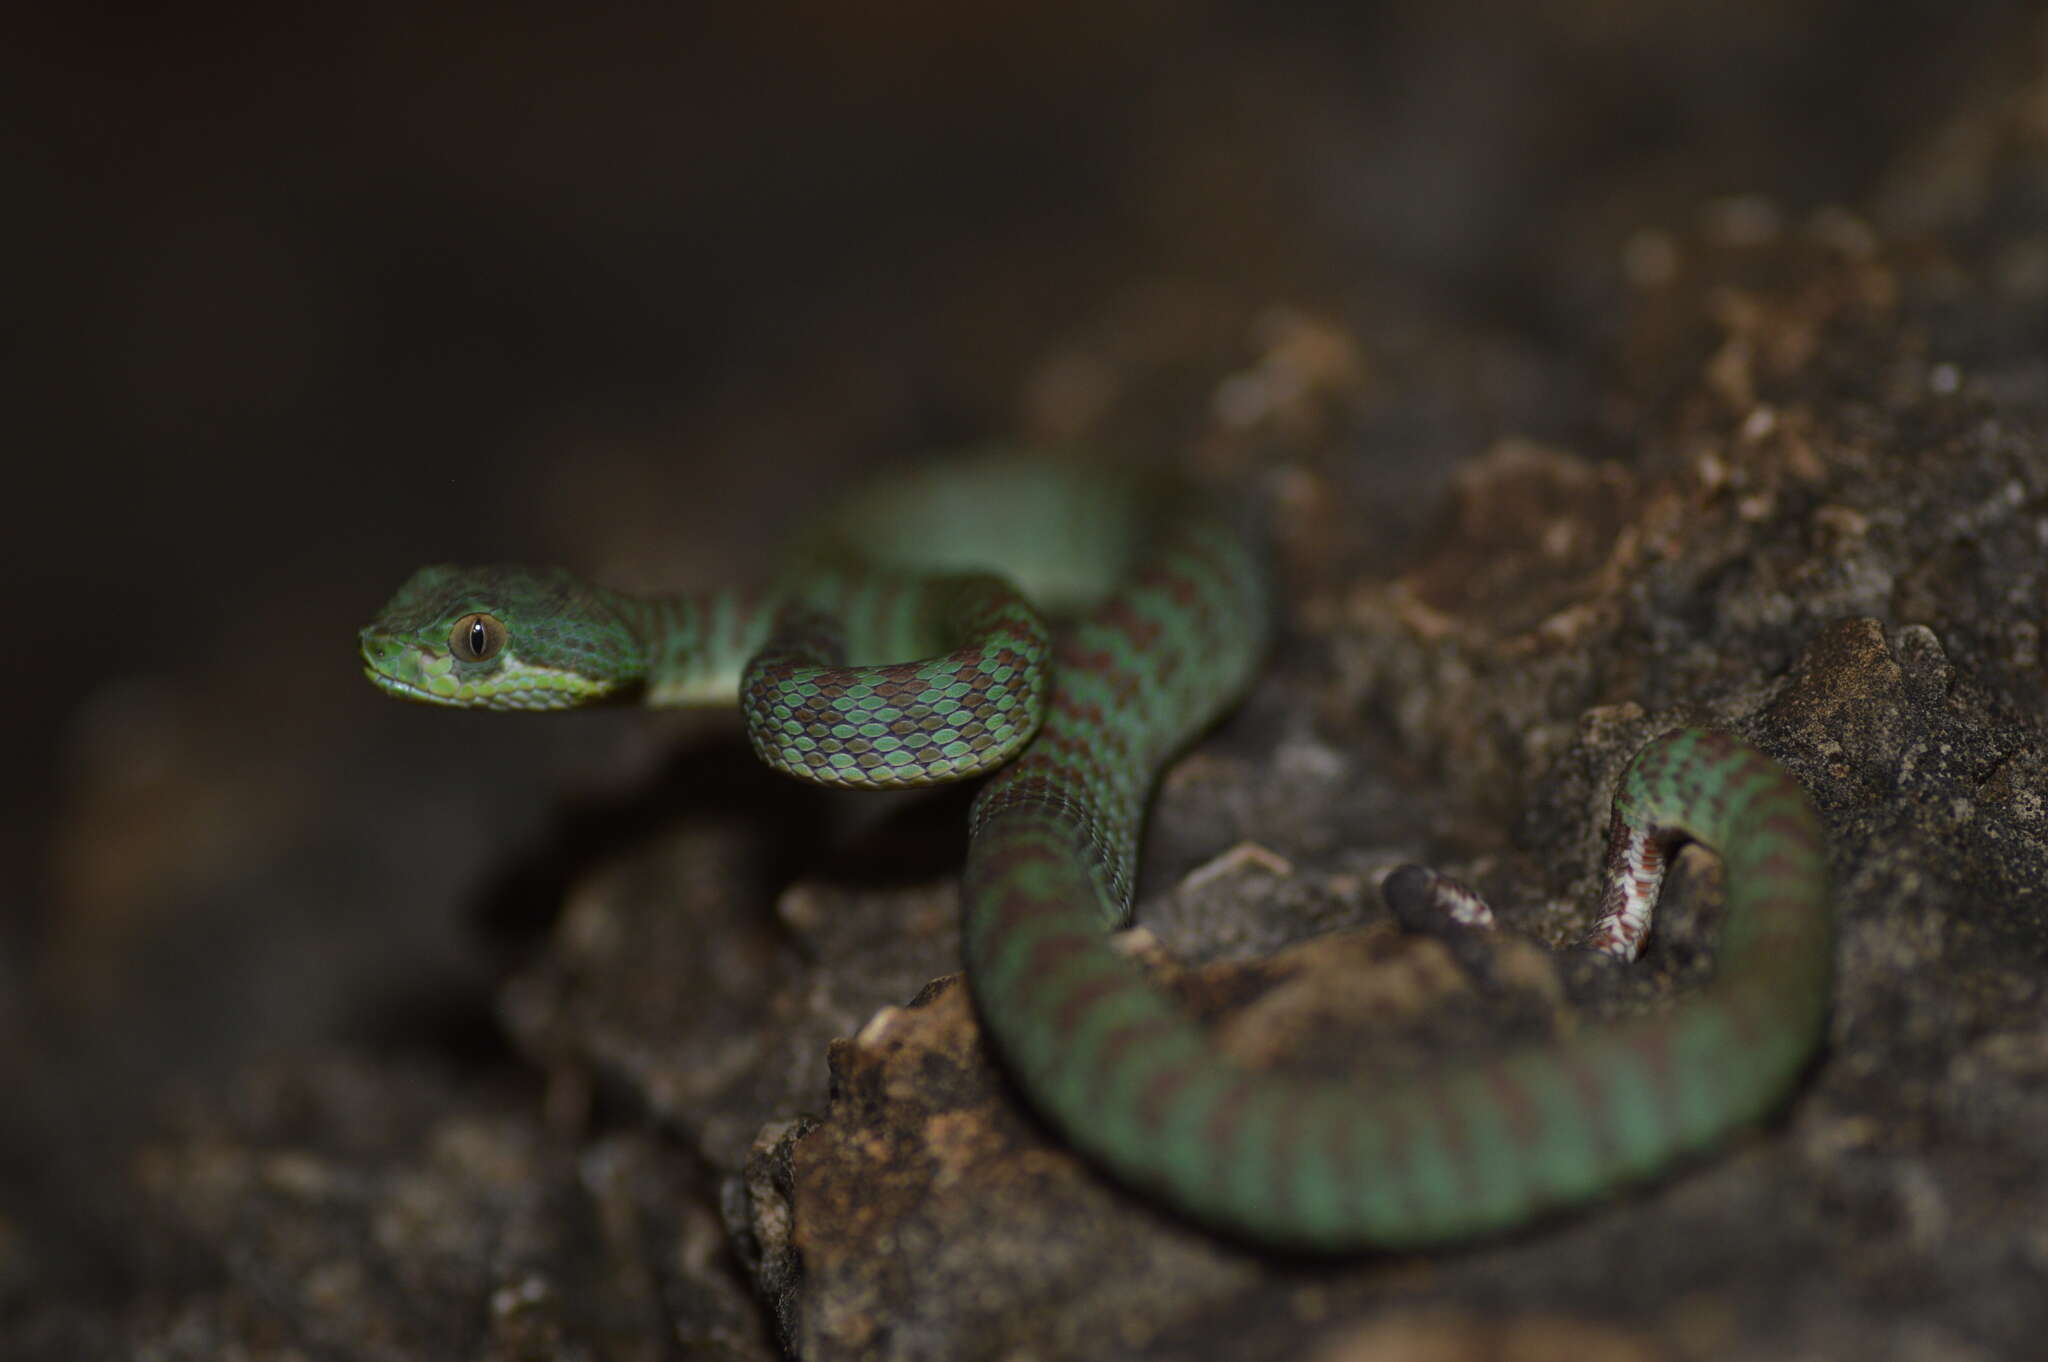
(380, 650)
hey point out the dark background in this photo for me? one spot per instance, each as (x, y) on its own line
(298, 302)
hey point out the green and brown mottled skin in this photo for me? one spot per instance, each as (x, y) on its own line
(1168, 618)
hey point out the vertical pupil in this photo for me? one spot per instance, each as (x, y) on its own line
(478, 638)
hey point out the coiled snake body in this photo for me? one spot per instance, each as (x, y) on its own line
(1165, 619)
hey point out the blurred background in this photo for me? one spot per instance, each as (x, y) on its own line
(299, 301)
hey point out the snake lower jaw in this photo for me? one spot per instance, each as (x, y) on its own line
(531, 698)
(402, 690)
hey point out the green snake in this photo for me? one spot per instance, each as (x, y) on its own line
(1163, 611)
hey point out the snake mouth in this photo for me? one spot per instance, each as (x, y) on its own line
(522, 698)
(403, 690)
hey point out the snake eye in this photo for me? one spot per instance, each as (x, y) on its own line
(476, 637)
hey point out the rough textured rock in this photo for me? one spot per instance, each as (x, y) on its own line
(338, 1208)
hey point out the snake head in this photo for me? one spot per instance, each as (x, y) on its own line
(502, 638)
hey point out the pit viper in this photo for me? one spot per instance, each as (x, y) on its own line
(911, 640)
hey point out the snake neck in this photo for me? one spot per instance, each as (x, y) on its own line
(697, 645)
